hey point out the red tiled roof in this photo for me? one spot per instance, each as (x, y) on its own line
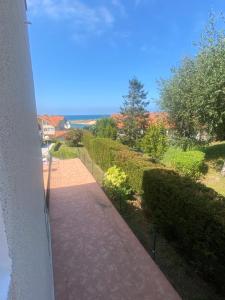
(60, 133)
(52, 120)
(153, 118)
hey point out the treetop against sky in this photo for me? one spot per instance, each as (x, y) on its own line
(85, 51)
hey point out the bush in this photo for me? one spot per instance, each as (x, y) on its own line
(187, 144)
(189, 163)
(73, 137)
(154, 143)
(106, 128)
(107, 153)
(57, 146)
(62, 151)
(191, 215)
(116, 185)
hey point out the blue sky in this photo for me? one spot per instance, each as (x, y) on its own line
(85, 51)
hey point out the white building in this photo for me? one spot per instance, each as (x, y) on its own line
(25, 258)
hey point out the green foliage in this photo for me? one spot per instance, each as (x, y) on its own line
(63, 151)
(192, 216)
(194, 96)
(186, 143)
(73, 137)
(155, 143)
(188, 163)
(116, 184)
(106, 128)
(134, 112)
(107, 153)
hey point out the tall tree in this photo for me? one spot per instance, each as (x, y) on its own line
(134, 112)
(194, 96)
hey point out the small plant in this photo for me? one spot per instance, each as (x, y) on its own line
(154, 143)
(116, 185)
(73, 137)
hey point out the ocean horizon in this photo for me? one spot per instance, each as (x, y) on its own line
(84, 118)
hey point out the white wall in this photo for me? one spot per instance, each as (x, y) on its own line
(21, 186)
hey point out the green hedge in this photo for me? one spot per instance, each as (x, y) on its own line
(107, 153)
(186, 212)
(191, 215)
(188, 163)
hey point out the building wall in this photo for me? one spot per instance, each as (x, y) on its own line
(21, 187)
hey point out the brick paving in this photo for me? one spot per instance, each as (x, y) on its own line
(95, 254)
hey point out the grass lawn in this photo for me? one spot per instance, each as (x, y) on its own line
(215, 156)
(64, 152)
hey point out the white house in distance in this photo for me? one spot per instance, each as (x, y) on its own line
(52, 127)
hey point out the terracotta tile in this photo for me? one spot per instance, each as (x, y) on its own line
(95, 254)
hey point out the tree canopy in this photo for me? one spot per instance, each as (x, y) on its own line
(194, 96)
(106, 128)
(134, 112)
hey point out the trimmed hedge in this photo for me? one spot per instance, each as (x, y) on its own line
(107, 153)
(188, 163)
(191, 215)
(186, 212)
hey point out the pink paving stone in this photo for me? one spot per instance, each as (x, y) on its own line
(95, 254)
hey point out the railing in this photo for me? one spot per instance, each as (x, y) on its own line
(92, 167)
(47, 195)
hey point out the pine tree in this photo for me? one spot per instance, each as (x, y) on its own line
(134, 112)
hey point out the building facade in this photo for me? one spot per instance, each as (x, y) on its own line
(25, 256)
(52, 127)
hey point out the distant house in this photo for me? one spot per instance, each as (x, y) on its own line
(51, 127)
(153, 118)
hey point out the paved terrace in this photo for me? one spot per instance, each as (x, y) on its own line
(95, 254)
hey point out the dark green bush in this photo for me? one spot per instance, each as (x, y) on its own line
(73, 137)
(57, 146)
(107, 153)
(191, 215)
(189, 163)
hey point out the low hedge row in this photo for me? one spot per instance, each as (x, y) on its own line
(188, 163)
(186, 212)
(191, 215)
(107, 153)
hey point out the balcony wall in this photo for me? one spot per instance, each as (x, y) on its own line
(21, 187)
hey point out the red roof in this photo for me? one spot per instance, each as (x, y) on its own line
(60, 133)
(52, 120)
(153, 117)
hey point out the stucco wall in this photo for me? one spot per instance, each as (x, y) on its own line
(21, 186)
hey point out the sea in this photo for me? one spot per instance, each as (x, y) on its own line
(83, 117)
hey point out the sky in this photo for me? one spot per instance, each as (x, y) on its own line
(85, 51)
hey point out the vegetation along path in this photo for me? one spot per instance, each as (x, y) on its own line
(95, 254)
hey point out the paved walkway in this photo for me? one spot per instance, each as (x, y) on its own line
(95, 254)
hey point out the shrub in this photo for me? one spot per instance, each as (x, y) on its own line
(191, 215)
(116, 185)
(187, 144)
(73, 137)
(107, 153)
(106, 128)
(62, 151)
(189, 163)
(154, 143)
(57, 146)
